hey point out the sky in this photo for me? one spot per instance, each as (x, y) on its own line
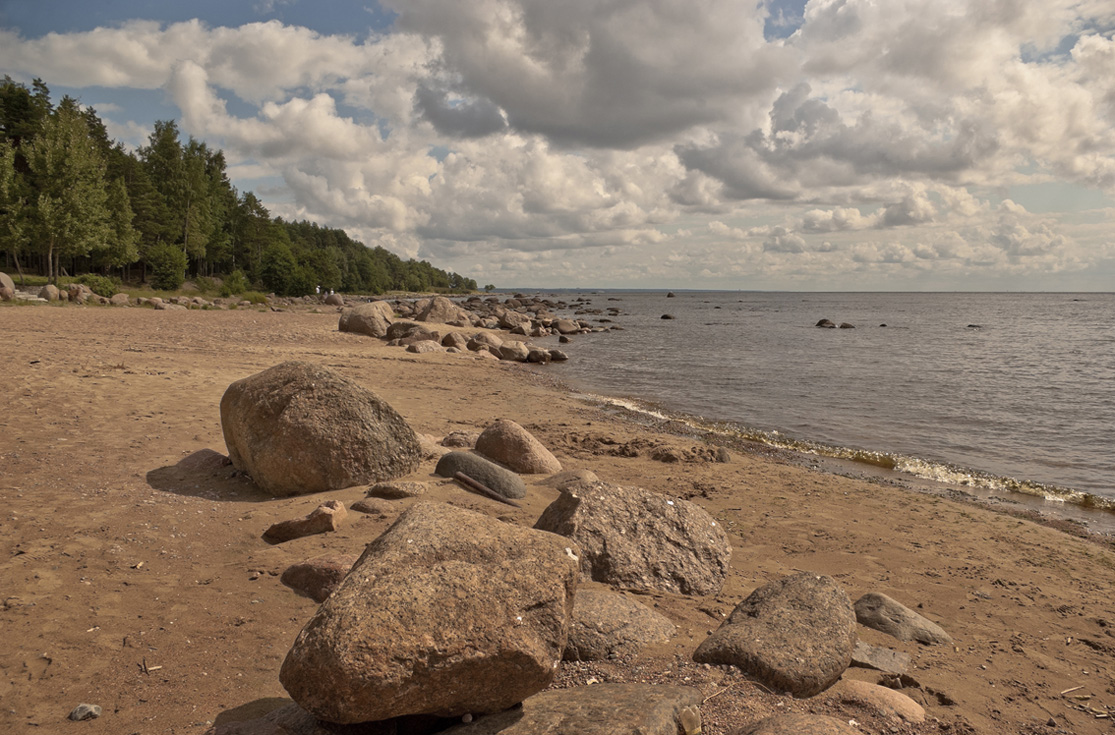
(892, 145)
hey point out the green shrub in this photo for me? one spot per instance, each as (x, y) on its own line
(168, 267)
(254, 296)
(100, 285)
(206, 285)
(235, 283)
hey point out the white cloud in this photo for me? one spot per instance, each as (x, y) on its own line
(872, 143)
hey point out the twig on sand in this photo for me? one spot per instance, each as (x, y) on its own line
(472, 484)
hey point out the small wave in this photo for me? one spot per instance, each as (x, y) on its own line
(923, 469)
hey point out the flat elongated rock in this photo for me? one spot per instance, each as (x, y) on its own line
(879, 612)
(503, 481)
(448, 612)
(510, 444)
(607, 624)
(795, 634)
(638, 539)
(866, 656)
(298, 428)
(603, 709)
(795, 724)
(322, 519)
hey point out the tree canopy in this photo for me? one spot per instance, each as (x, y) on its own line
(73, 201)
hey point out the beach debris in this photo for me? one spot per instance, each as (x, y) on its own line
(299, 428)
(371, 319)
(638, 539)
(510, 444)
(397, 490)
(85, 712)
(503, 481)
(326, 517)
(601, 709)
(887, 701)
(606, 625)
(866, 656)
(317, 578)
(879, 612)
(795, 635)
(795, 724)
(448, 612)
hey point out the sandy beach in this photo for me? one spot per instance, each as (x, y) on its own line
(136, 581)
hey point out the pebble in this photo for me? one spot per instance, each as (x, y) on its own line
(85, 712)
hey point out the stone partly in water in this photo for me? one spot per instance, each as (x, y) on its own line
(448, 612)
(603, 709)
(795, 635)
(638, 539)
(298, 428)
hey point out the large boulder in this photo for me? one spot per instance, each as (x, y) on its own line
(442, 310)
(7, 282)
(638, 539)
(607, 625)
(49, 292)
(510, 444)
(514, 350)
(448, 612)
(879, 612)
(503, 481)
(794, 635)
(371, 319)
(298, 428)
(603, 709)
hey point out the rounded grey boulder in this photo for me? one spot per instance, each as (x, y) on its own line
(298, 428)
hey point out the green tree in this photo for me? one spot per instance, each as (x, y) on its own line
(71, 213)
(168, 267)
(120, 249)
(13, 228)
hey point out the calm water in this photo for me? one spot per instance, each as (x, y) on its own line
(1025, 401)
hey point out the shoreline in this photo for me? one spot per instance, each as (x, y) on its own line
(120, 557)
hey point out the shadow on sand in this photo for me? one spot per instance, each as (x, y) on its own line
(207, 474)
(277, 714)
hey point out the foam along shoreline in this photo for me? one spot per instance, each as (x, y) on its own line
(1094, 513)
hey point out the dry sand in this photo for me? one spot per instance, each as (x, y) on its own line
(140, 584)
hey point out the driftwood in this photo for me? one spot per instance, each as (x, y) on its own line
(472, 484)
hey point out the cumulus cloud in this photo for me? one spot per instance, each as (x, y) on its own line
(876, 139)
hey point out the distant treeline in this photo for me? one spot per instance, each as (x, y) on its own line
(72, 201)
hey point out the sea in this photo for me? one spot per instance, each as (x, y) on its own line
(1006, 395)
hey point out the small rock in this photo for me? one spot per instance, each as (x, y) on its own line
(606, 624)
(317, 578)
(510, 444)
(887, 701)
(826, 324)
(460, 439)
(397, 490)
(85, 712)
(326, 517)
(668, 316)
(866, 656)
